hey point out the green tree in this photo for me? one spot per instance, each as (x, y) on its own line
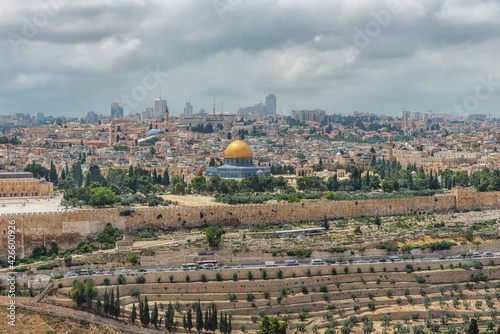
(154, 316)
(473, 328)
(199, 317)
(53, 173)
(90, 291)
(101, 196)
(199, 184)
(78, 292)
(179, 188)
(272, 326)
(133, 314)
(213, 235)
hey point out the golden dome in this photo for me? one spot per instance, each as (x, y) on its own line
(238, 149)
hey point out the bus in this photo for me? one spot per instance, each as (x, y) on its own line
(189, 266)
(207, 264)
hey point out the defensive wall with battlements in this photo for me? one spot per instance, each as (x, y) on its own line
(68, 229)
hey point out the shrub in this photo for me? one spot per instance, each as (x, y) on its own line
(235, 276)
(266, 294)
(334, 271)
(140, 279)
(232, 297)
(279, 274)
(323, 288)
(250, 275)
(188, 278)
(135, 292)
(218, 276)
(250, 297)
(203, 277)
(303, 288)
(420, 280)
(121, 279)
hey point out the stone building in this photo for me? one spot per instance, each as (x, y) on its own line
(23, 184)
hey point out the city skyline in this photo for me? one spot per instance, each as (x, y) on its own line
(368, 56)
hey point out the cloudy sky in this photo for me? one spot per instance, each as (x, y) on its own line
(66, 57)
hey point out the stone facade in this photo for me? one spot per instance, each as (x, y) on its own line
(70, 228)
(23, 184)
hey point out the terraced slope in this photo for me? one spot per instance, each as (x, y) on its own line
(354, 298)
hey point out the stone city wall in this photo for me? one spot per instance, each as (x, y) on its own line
(70, 228)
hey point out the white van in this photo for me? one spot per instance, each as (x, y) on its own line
(271, 264)
(317, 262)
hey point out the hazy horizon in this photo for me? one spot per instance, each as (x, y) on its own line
(66, 58)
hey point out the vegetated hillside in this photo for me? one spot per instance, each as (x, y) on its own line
(405, 296)
(37, 322)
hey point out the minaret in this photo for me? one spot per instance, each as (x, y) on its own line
(112, 132)
(391, 156)
(131, 157)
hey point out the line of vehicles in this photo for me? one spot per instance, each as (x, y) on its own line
(214, 264)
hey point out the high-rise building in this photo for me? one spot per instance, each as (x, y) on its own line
(40, 117)
(258, 109)
(160, 107)
(188, 109)
(91, 117)
(116, 110)
(316, 115)
(147, 114)
(271, 104)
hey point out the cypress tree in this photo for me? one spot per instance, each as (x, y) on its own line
(154, 179)
(117, 302)
(141, 311)
(53, 173)
(206, 325)
(189, 319)
(199, 318)
(112, 303)
(133, 314)
(214, 317)
(146, 312)
(169, 317)
(154, 316)
(473, 329)
(106, 301)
